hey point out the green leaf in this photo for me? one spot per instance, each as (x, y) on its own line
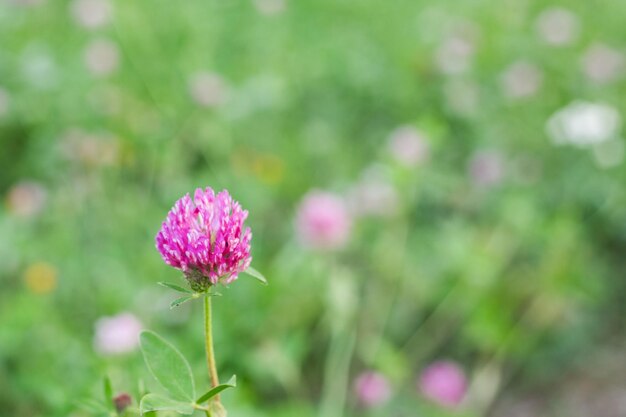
(108, 391)
(181, 300)
(232, 383)
(175, 287)
(256, 274)
(157, 402)
(168, 366)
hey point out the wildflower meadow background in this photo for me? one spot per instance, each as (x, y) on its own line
(435, 191)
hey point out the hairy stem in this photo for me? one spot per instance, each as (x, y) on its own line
(210, 354)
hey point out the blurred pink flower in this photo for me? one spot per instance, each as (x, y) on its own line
(117, 334)
(443, 382)
(102, 57)
(207, 89)
(521, 79)
(205, 238)
(603, 64)
(323, 221)
(26, 198)
(372, 388)
(408, 146)
(91, 14)
(558, 26)
(486, 168)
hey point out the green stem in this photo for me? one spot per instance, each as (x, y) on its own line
(337, 369)
(210, 354)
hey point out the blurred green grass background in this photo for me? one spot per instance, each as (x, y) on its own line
(498, 245)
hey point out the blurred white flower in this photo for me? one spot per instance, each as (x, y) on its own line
(521, 79)
(207, 89)
(5, 102)
(117, 334)
(102, 57)
(91, 14)
(373, 195)
(486, 168)
(26, 198)
(603, 64)
(408, 146)
(270, 7)
(455, 54)
(558, 26)
(584, 124)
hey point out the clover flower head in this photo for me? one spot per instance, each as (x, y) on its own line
(372, 388)
(444, 382)
(205, 238)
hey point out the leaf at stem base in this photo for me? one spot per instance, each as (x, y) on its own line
(232, 383)
(168, 366)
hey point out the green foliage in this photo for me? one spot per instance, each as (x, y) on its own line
(107, 390)
(181, 300)
(168, 366)
(157, 402)
(256, 274)
(175, 287)
(523, 277)
(232, 383)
